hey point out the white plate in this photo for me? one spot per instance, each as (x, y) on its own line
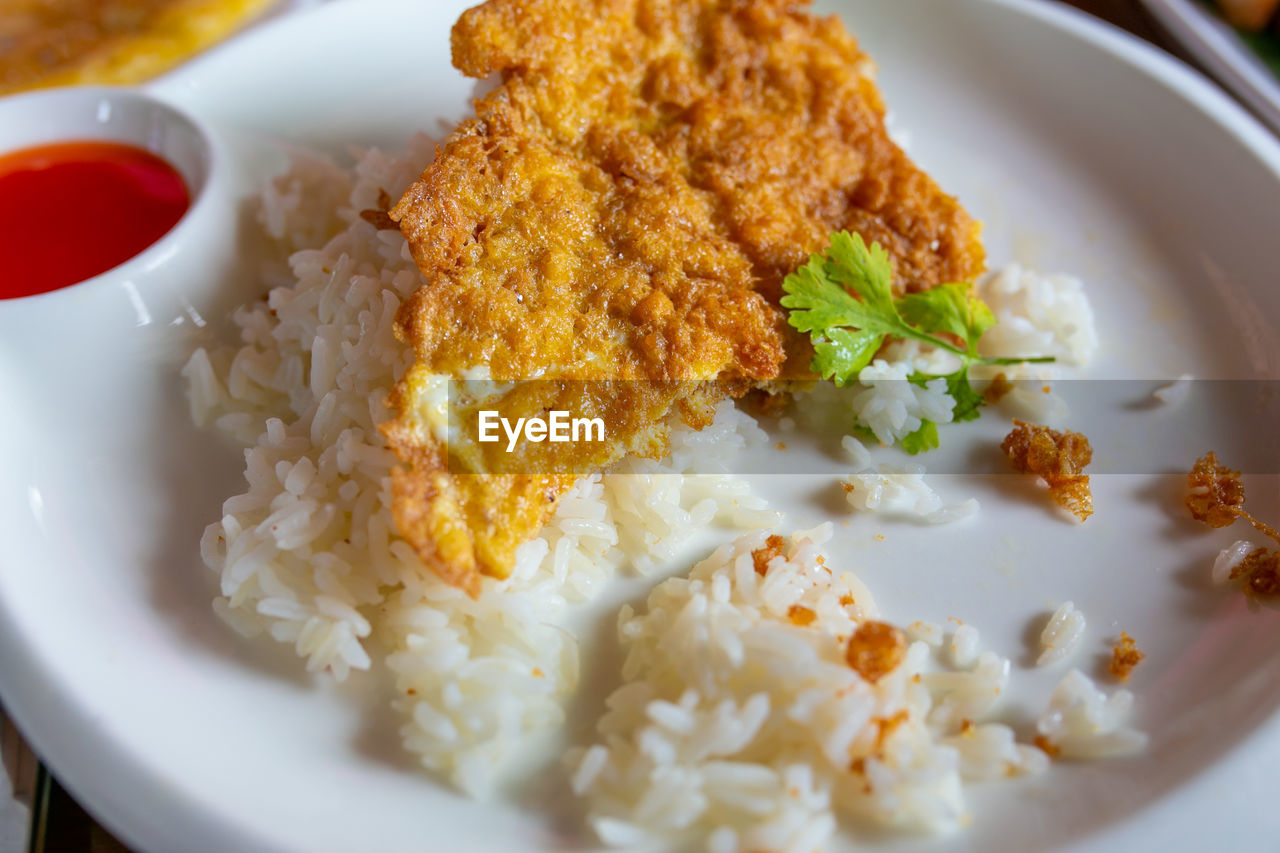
(1083, 150)
(1218, 47)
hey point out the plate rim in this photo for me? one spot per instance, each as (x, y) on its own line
(1213, 43)
(125, 795)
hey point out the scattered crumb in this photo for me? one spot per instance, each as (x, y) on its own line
(875, 650)
(1045, 389)
(1215, 496)
(1047, 746)
(538, 673)
(801, 615)
(761, 556)
(879, 537)
(1059, 458)
(1124, 657)
(378, 216)
(886, 725)
(997, 389)
(781, 445)
(1260, 573)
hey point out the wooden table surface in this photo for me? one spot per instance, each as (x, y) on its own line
(70, 829)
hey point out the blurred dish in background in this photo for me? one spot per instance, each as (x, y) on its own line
(1245, 62)
(1251, 15)
(70, 42)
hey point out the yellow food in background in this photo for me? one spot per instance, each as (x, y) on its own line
(1249, 14)
(67, 42)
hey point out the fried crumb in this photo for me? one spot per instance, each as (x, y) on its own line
(997, 389)
(771, 548)
(378, 216)
(1216, 493)
(1124, 657)
(1215, 496)
(1058, 458)
(886, 726)
(801, 615)
(879, 537)
(1045, 389)
(1047, 746)
(875, 650)
(846, 600)
(1260, 573)
(766, 403)
(538, 673)
(781, 445)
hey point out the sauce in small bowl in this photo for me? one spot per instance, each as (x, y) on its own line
(120, 232)
(72, 210)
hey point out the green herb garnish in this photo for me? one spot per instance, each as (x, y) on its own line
(844, 300)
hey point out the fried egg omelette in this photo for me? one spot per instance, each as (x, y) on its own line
(624, 206)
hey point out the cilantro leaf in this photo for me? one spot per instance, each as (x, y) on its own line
(864, 270)
(968, 401)
(922, 439)
(840, 353)
(951, 308)
(843, 299)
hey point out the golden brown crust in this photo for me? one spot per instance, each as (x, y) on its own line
(1215, 496)
(875, 650)
(761, 557)
(1058, 458)
(1259, 572)
(1124, 657)
(1215, 493)
(626, 203)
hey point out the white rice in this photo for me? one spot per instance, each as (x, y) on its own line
(1084, 722)
(1176, 391)
(1038, 315)
(901, 491)
(742, 725)
(735, 724)
(964, 646)
(1230, 557)
(308, 553)
(891, 407)
(1032, 403)
(1061, 635)
(859, 456)
(929, 633)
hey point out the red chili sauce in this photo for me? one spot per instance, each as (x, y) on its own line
(71, 210)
